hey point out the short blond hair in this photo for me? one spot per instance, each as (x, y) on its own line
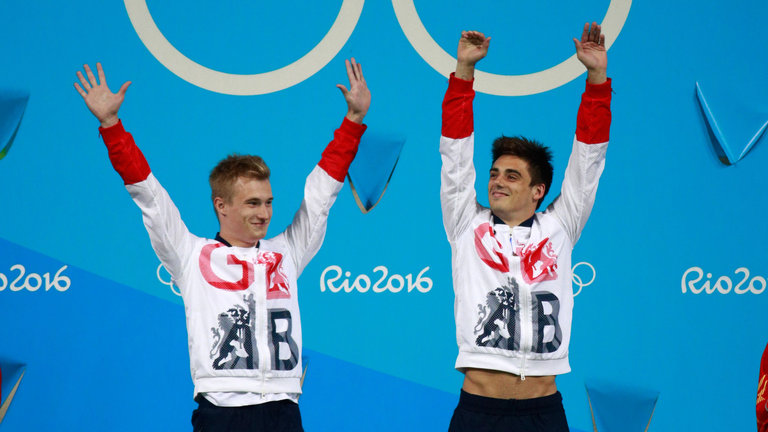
(228, 170)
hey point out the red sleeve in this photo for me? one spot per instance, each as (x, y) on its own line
(762, 394)
(593, 122)
(458, 121)
(340, 152)
(126, 158)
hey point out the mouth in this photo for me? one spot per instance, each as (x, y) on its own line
(498, 194)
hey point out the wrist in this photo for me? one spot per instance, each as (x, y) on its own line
(465, 71)
(355, 117)
(109, 121)
(597, 76)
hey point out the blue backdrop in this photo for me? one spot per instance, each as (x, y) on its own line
(670, 296)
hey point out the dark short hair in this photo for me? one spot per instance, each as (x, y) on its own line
(225, 174)
(538, 157)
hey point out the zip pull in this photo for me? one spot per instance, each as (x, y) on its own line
(512, 243)
(263, 377)
(522, 376)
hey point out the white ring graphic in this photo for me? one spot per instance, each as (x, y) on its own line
(238, 84)
(504, 85)
(577, 279)
(170, 283)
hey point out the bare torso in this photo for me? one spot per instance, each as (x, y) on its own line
(504, 385)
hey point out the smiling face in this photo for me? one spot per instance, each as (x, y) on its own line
(244, 219)
(511, 195)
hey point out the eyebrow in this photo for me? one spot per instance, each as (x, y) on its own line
(507, 171)
(259, 199)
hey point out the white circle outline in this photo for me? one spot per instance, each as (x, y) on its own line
(241, 84)
(504, 85)
(576, 279)
(170, 283)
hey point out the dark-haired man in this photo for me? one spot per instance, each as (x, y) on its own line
(239, 289)
(512, 265)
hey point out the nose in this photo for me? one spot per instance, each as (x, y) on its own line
(262, 212)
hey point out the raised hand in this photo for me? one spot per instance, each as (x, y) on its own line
(473, 46)
(592, 54)
(100, 100)
(358, 96)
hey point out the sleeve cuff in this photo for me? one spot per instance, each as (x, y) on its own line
(459, 84)
(598, 91)
(113, 132)
(352, 128)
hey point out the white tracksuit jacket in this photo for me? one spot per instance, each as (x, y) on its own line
(513, 289)
(241, 304)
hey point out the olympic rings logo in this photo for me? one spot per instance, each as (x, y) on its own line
(337, 36)
(160, 270)
(577, 280)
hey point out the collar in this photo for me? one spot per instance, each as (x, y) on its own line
(528, 223)
(220, 239)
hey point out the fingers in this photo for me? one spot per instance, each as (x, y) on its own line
(123, 88)
(350, 72)
(577, 44)
(354, 72)
(80, 90)
(83, 81)
(343, 89)
(473, 34)
(358, 71)
(100, 71)
(91, 78)
(594, 34)
(474, 37)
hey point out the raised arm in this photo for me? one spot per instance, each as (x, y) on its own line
(306, 233)
(593, 123)
(126, 158)
(457, 177)
(167, 232)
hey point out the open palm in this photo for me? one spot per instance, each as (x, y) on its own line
(98, 97)
(590, 50)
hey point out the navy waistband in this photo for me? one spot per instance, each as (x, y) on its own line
(495, 406)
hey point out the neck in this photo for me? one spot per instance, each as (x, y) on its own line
(234, 241)
(515, 219)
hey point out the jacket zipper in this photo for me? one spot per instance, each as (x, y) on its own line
(526, 326)
(261, 308)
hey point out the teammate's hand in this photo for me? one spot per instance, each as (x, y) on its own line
(473, 46)
(358, 96)
(591, 52)
(100, 100)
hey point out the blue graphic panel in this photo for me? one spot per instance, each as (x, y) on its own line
(373, 167)
(735, 129)
(617, 407)
(12, 106)
(10, 379)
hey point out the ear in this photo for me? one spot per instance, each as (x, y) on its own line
(538, 191)
(220, 205)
